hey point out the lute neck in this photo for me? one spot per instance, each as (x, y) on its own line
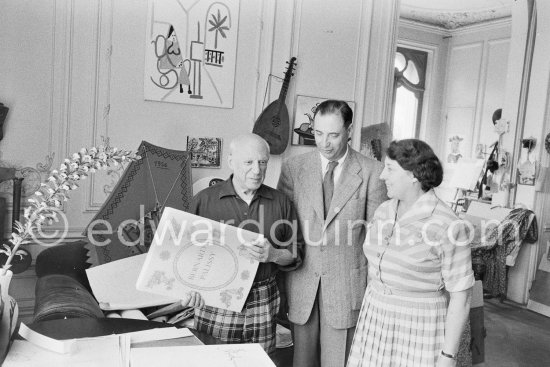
(286, 81)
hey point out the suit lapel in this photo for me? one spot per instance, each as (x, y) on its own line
(348, 183)
(314, 191)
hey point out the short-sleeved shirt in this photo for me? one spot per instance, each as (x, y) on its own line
(270, 213)
(426, 250)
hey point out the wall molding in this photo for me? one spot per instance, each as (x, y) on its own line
(361, 79)
(486, 57)
(482, 27)
(266, 41)
(379, 52)
(52, 235)
(480, 98)
(65, 132)
(542, 200)
(62, 34)
(423, 27)
(293, 49)
(101, 100)
(446, 107)
(443, 32)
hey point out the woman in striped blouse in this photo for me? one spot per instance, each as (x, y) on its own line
(420, 273)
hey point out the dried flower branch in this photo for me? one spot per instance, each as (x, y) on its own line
(45, 203)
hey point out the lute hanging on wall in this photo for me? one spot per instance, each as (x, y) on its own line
(272, 124)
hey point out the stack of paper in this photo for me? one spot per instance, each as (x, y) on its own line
(220, 355)
(114, 285)
(103, 351)
(110, 350)
(158, 334)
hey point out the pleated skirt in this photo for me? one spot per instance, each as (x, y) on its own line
(398, 331)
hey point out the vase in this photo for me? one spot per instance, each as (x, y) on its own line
(9, 313)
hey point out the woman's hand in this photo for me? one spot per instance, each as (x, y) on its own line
(193, 299)
(443, 361)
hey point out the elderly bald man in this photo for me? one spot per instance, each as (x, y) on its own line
(244, 201)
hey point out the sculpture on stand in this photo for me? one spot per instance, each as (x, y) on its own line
(455, 154)
(497, 163)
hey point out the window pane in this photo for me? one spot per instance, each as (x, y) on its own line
(411, 73)
(404, 119)
(400, 61)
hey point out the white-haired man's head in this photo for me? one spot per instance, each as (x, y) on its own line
(248, 157)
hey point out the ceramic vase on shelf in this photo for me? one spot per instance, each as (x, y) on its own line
(9, 313)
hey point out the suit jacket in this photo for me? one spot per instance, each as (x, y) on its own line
(333, 255)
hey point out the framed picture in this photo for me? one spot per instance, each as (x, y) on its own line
(191, 51)
(302, 130)
(205, 152)
(527, 172)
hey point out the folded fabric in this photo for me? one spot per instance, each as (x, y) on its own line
(60, 296)
(503, 244)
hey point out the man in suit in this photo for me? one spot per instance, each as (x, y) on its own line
(335, 191)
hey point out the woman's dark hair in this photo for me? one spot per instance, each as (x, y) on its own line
(341, 108)
(417, 157)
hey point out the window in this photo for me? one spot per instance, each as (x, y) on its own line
(408, 92)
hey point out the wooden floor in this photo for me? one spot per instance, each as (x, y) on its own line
(516, 337)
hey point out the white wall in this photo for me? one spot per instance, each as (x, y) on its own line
(344, 51)
(27, 40)
(72, 72)
(477, 63)
(59, 81)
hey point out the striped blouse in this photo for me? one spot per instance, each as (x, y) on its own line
(426, 250)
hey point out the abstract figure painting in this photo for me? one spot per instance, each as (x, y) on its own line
(190, 54)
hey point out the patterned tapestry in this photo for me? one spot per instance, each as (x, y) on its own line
(125, 224)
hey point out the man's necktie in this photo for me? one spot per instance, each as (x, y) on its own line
(328, 185)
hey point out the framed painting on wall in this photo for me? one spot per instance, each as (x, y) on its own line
(302, 130)
(205, 152)
(191, 51)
